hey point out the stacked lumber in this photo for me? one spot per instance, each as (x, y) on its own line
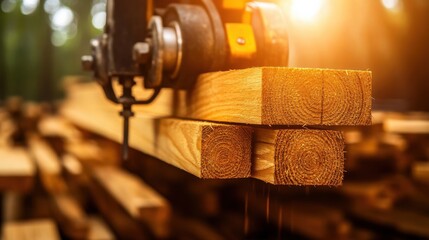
(139, 200)
(128, 210)
(200, 130)
(82, 178)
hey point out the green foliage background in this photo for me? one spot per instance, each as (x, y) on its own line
(30, 66)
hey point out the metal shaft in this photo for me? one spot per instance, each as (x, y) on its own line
(125, 154)
(126, 100)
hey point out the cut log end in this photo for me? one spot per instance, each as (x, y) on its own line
(297, 96)
(291, 96)
(225, 152)
(347, 98)
(309, 157)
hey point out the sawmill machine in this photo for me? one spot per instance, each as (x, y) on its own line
(170, 42)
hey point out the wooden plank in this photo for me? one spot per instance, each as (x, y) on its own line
(58, 126)
(91, 152)
(99, 230)
(123, 225)
(283, 96)
(70, 216)
(47, 163)
(17, 169)
(407, 126)
(299, 157)
(206, 150)
(138, 199)
(72, 165)
(266, 95)
(41, 229)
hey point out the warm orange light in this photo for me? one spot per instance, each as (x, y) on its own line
(305, 10)
(390, 4)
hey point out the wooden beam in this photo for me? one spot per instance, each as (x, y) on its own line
(99, 230)
(283, 96)
(71, 217)
(299, 157)
(138, 199)
(406, 126)
(42, 229)
(266, 95)
(204, 149)
(47, 163)
(17, 169)
(57, 126)
(166, 138)
(123, 225)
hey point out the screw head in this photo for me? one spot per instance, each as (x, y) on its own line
(141, 52)
(87, 62)
(241, 40)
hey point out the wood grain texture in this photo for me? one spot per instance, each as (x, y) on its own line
(206, 150)
(225, 151)
(295, 96)
(299, 157)
(138, 199)
(41, 229)
(266, 95)
(17, 170)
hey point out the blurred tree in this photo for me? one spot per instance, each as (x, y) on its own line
(30, 65)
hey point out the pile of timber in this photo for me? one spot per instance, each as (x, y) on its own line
(79, 190)
(47, 188)
(273, 124)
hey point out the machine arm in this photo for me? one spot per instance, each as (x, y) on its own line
(171, 48)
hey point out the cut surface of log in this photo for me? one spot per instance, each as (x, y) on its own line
(41, 229)
(137, 198)
(266, 95)
(299, 157)
(204, 149)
